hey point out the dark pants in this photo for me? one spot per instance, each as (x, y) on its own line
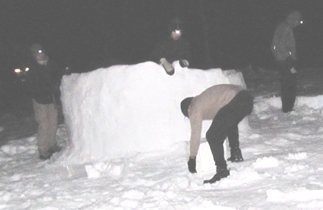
(225, 124)
(288, 85)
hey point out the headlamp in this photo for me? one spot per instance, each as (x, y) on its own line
(17, 71)
(177, 31)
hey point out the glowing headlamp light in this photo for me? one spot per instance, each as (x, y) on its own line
(17, 71)
(177, 31)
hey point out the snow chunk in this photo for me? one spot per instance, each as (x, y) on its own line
(133, 195)
(266, 162)
(297, 156)
(208, 205)
(301, 194)
(122, 110)
(95, 171)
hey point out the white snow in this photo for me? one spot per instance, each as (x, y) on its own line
(283, 169)
(123, 110)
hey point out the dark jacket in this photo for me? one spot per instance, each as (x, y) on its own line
(172, 50)
(43, 81)
(283, 44)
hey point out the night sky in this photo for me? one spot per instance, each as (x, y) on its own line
(88, 34)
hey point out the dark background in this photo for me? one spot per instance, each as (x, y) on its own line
(88, 34)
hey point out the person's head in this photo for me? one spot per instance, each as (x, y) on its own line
(38, 53)
(185, 105)
(176, 34)
(176, 28)
(294, 19)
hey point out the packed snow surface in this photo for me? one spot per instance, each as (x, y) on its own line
(283, 169)
(125, 109)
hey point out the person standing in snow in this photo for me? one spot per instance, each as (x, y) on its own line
(174, 48)
(41, 83)
(226, 105)
(284, 50)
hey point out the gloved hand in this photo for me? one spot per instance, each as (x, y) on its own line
(184, 63)
(192, 165)
(167, 66)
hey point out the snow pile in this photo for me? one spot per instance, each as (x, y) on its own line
(125, 109)
(266, 163)
(282, 170)
(314, 102)
(298, 195)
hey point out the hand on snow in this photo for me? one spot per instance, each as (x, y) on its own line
(192, 165)
(184, 63)
(167, 66)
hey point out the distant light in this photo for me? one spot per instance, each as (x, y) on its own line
(17, 71)
(26, 69)
(40, 51)
(301, 22)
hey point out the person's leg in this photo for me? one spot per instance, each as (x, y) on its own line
(41, 119)
(290, 93)
(233, 137)
(216, 136)
(226, 121)
(47, 125)
(288, 86)
(223, 123)
(284, 94)
(52, 127)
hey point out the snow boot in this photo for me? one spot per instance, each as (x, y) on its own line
(45, 155)
(167, 66)
(236, 155)
(220, 173)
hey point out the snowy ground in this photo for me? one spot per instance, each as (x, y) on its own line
(283, 167)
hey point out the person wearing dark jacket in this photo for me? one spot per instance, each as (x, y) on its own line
(226, 105)
(284, 50)
(41, 83)
(174, 47)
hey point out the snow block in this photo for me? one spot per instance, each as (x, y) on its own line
(204, 159)
(125, 109)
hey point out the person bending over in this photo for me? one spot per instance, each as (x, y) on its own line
(226, 105)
